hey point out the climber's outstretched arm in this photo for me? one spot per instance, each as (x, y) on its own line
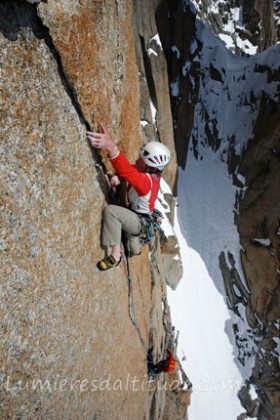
(102, 140)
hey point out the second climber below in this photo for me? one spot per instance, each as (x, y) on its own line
(143, 178)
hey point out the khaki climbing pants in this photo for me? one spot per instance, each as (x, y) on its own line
(117, 219)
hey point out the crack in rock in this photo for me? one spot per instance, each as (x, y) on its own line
(131, 311)
(69, 88)
(41, 31)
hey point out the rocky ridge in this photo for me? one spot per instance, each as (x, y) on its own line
(246, 27)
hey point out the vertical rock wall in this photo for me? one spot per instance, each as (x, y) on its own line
(156, 117)
(259, 228)
(156, 113)
(96, 46)
(177, 29)
(65, 327)
(73, 340)
(259, 22)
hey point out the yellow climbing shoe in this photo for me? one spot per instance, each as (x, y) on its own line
(107, 262)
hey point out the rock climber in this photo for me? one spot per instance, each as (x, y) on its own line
(143, 179)
(168, 364)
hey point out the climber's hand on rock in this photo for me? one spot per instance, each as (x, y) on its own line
(102, 140)
(98, 140)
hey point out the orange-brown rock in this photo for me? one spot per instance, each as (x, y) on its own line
(100, 65)
(73, 340)
(177, 398)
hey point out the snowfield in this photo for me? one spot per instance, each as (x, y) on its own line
(205, 228)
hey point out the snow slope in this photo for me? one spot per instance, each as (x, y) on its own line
(205, 227)
(198, 309)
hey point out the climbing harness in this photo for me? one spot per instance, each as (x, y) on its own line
(150, 224)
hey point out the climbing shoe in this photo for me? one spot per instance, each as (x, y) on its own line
(107, 262)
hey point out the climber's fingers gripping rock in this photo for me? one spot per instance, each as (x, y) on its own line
(102, 129)
(103, 141)
(98, 140)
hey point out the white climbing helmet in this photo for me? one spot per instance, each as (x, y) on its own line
(155, 154)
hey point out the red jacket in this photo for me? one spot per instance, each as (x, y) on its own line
(171, 364)
(143, 187)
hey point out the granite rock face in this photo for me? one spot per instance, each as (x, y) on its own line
(156, 115)
(73, 340)
(177, 29)
(259, 228)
